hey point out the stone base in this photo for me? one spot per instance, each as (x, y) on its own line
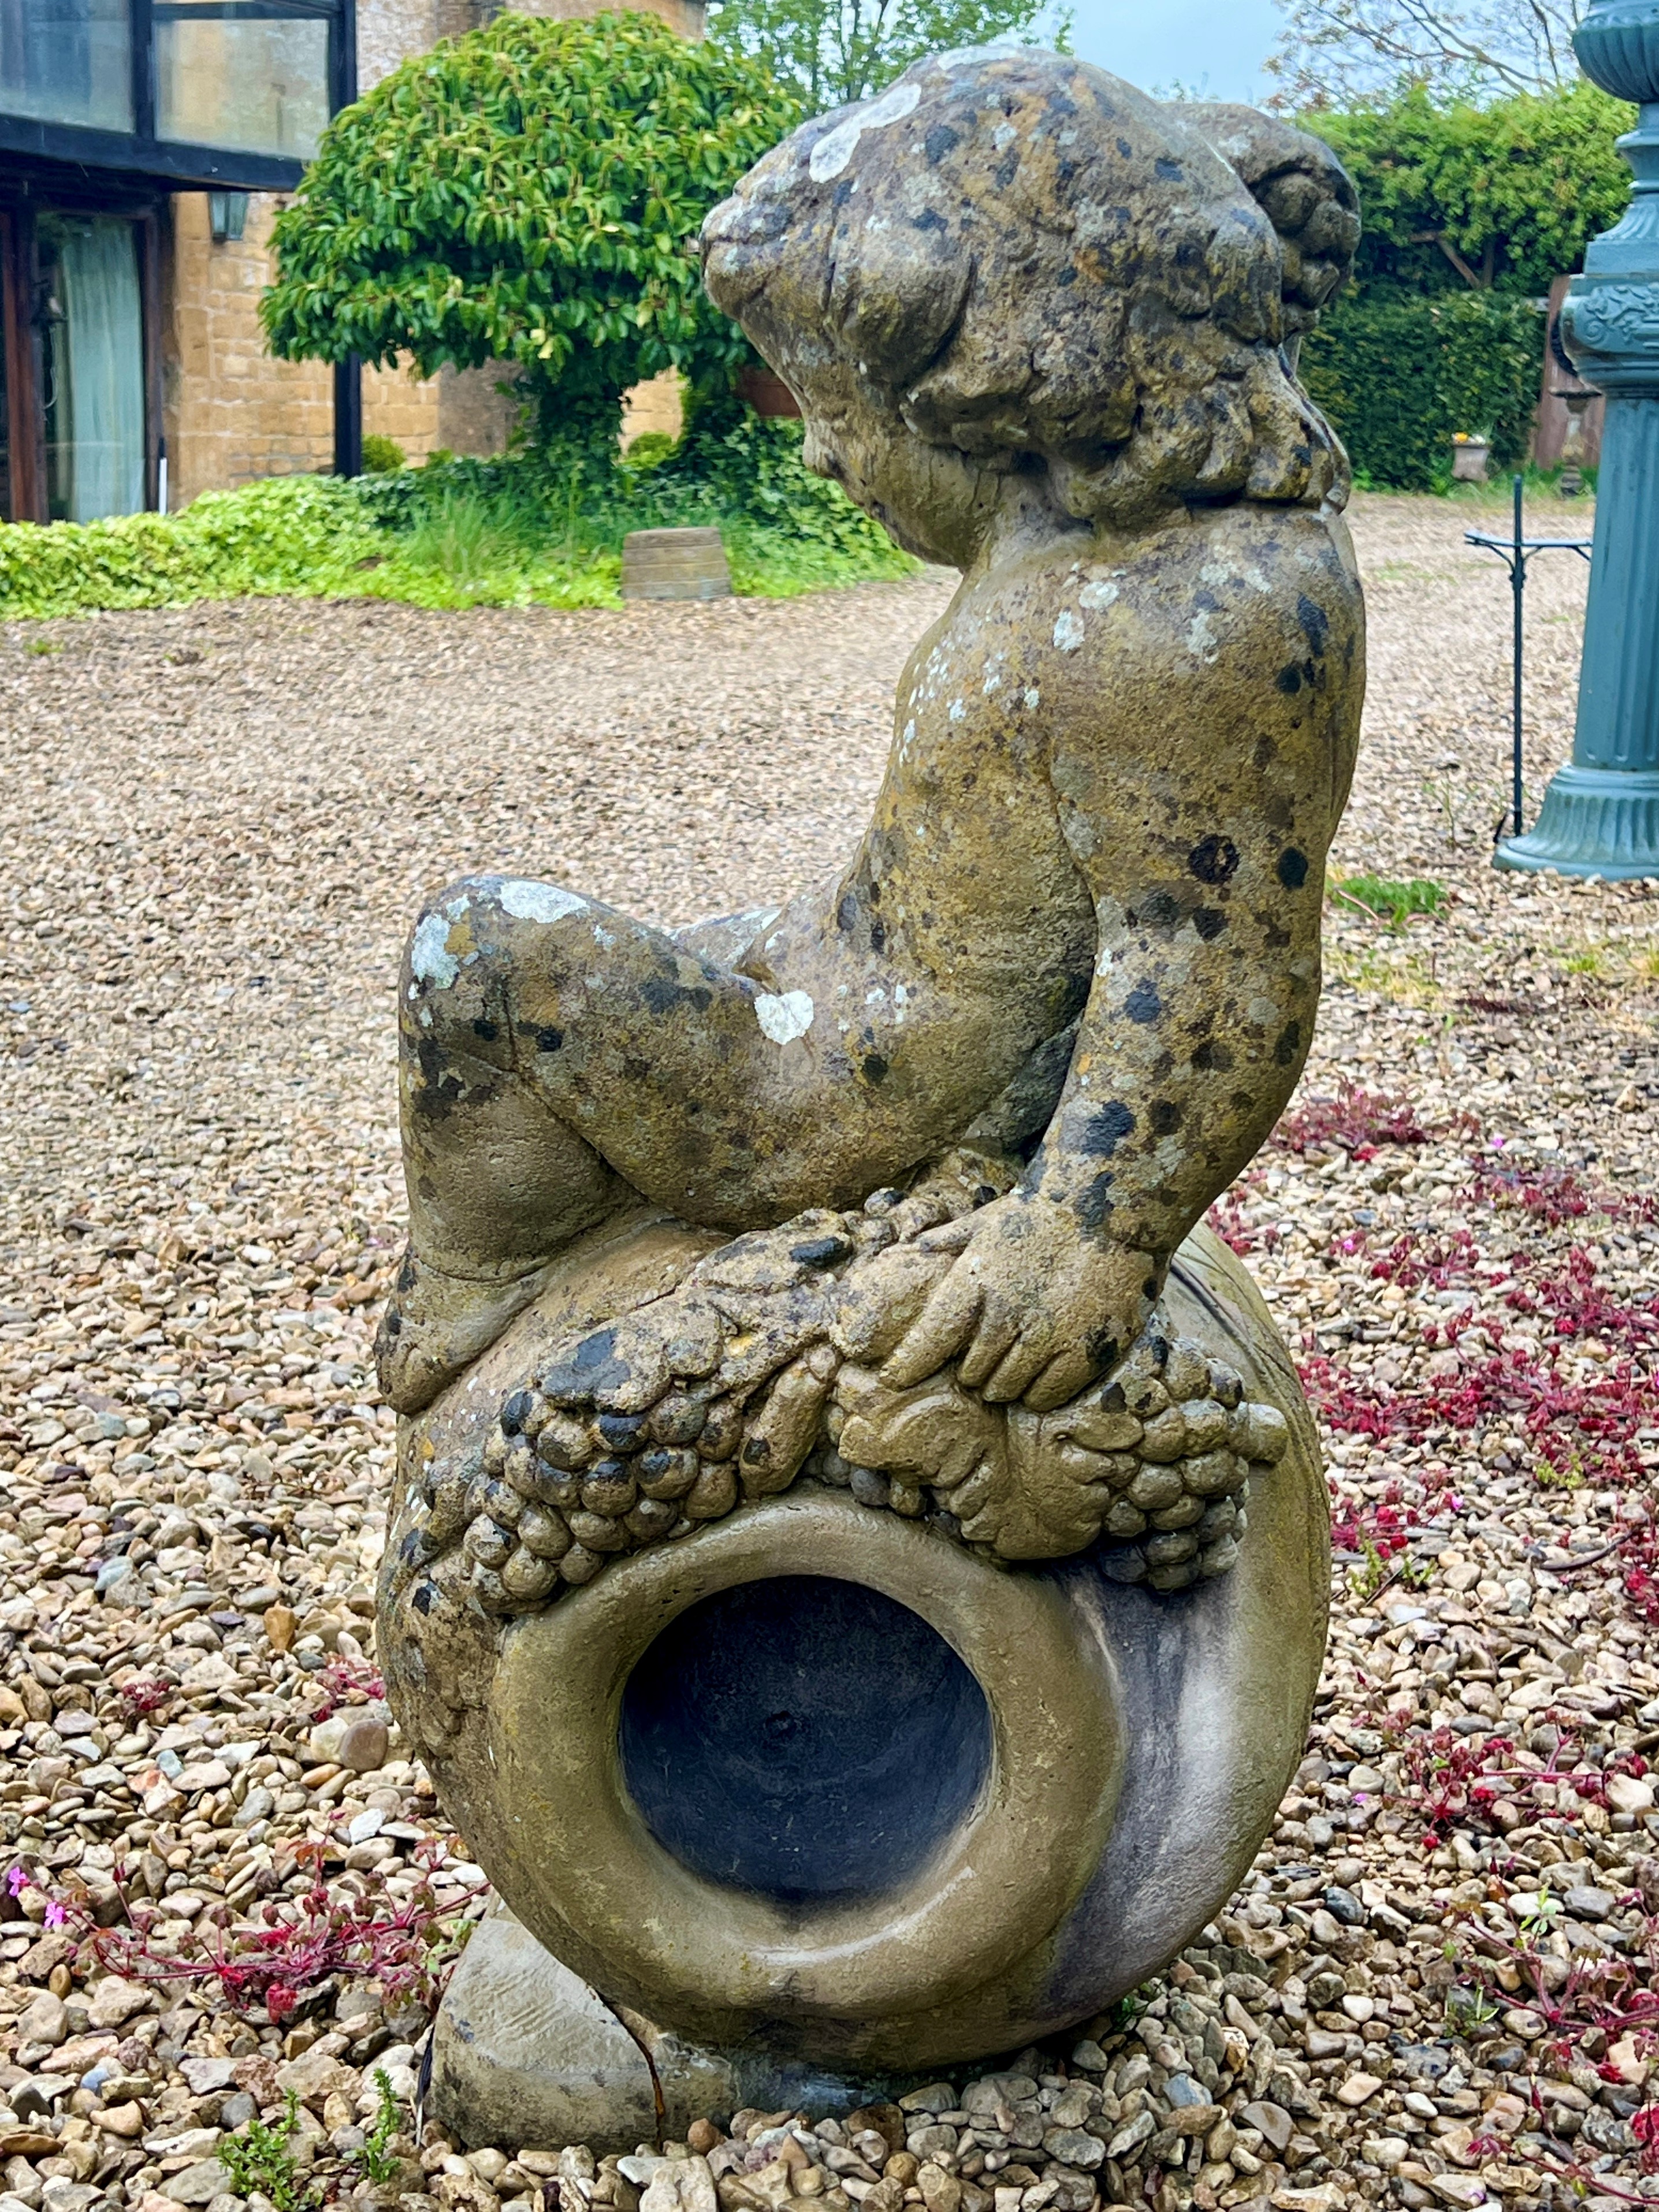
(527, 2056)
(1594, 822)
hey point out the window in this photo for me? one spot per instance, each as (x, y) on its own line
(67, 61)
(248, 75)
(95, 398)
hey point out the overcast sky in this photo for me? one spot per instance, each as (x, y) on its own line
(1159, 42)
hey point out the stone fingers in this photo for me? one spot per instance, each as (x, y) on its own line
(945, 1324)
(1068, 1373)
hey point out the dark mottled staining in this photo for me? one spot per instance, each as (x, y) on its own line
(1126, 149)
(940, 141)
(877, 934)
(1105, 1129)
(822, 1251)
(425, 1598)
(846, 913)
(487, 1030)
(1292, 869)
(1092, 1204)
(636, 1070)
(1143, 1003)
(1101, 1347)
(1289, 1044)
(1005, 171)
(1209, 921)
(874, 1067)
(549, 1040)
(660, 992)
(843, 193)
(1160, 909)
(1169, 171)
(440, 1090)
(1315, 628)
(929, 219)
(1211, 1055)
(1065, 276)
(1164, 1116)
(1213, 859)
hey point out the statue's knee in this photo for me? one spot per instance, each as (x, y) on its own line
(453, 955)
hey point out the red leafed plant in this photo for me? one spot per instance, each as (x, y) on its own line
(1552, 1195)
(273, 1960)
(1450, 1778)
(142, 1698)
(347, 1682)
(1356, 1120)
(1385, 1528)
(1412, 1261)
(1226, 1218)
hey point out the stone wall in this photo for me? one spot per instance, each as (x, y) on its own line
(232, 413)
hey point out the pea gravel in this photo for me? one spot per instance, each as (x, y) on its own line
(217, 823)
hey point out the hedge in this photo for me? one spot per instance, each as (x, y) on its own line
(1399, 377)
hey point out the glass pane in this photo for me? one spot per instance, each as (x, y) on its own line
(95, 368)
(67, 61)
(252, 83)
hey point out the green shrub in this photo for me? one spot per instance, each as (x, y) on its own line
(541, 528)
(381, 456)
(299, 534)
(529, 195)
(648, 450)
(1515, 188)
(1399, 377)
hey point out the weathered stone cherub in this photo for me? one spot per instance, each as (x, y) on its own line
(1035, 324)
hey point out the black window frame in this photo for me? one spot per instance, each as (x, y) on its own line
(139, 152)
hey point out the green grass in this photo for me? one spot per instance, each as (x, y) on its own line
(1393, 902)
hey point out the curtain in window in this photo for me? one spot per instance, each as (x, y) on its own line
(103, 366)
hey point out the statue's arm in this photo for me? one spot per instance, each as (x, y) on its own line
(1206, 986)
(1198, 802)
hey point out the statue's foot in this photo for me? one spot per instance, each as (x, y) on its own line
(436, 1323)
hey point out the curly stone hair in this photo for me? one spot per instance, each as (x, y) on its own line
(1024, 260)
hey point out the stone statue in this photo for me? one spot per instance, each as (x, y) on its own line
(821, 1583)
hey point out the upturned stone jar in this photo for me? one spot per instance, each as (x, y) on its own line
(822, 1790)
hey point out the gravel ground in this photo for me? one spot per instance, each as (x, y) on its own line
(217, 825)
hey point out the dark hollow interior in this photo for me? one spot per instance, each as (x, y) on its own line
(804, 1738)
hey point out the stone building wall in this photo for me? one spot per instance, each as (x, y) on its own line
(232, 413)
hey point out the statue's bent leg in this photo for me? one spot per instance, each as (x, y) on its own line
(558, 1058)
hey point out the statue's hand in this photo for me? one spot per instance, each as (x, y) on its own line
(1035, 1305)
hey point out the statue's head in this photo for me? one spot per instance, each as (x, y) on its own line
(1010, 263)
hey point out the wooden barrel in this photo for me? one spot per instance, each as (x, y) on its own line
(675, 564)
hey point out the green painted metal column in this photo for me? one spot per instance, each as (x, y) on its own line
(1601, 814)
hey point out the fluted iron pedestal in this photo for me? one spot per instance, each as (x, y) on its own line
(1601, 814)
